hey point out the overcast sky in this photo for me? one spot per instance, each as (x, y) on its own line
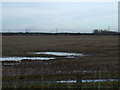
(66, 16)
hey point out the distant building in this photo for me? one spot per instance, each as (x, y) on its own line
(96, 31)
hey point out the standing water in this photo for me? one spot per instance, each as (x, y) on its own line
(24, 58)
(59, 53)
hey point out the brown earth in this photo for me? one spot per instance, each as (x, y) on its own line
(90, 44)
(102, 62)
(103, 51)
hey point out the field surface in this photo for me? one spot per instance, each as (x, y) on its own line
(101, 61)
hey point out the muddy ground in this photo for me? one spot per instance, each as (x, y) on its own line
(102, 51)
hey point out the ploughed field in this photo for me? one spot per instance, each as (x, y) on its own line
(96, 59)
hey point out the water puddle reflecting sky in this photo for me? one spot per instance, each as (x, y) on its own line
(25, 58)
(66, 54)
(83, 81)
(60, 53)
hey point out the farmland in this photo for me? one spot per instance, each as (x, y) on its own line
(100, 62)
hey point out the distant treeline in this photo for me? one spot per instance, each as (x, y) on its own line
(106, 32)
(94, 33)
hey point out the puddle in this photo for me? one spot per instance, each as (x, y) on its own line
(99, 80)
(83, 81)
(69, 81)
(47, 63)
(85, 71)
(60, 54)
(11, 64)
(23, 58)
(68, 55)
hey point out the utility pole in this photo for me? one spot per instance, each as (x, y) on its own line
(56, 30)
(109, 27)
(26, 30)
(9, 30)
